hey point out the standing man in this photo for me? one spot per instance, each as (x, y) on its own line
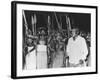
(30, 59)
(76, 49)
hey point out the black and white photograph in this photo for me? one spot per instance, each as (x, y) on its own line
(56, 40)
(53, 39)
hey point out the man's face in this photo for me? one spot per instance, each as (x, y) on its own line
(73, 32)
(42, 42)
(29, 41)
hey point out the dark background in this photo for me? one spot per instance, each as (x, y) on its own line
(81, 20)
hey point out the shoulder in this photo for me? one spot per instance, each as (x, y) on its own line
(27, 56)
(70, 39)
(81, 38)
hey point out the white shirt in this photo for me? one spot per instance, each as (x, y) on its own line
(30, 60)
(76, 49)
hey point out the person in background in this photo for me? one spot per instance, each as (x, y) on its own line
(58, 61)
(76, 49)
(88, 39)
(51, 49)
(42, 54)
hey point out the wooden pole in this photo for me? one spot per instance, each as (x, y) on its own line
(57, 21)
(32, 24)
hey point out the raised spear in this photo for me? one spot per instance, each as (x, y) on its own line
(35, 21)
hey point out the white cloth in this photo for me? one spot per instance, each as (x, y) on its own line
(76, 49)
(41, 56)
(30, 60)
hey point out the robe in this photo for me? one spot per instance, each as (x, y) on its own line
(41, 56)
(30, 59)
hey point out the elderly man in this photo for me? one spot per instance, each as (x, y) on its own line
(76, 49)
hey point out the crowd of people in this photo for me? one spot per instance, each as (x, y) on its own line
(56, 49)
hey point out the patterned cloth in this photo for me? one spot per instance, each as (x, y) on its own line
(58, 60)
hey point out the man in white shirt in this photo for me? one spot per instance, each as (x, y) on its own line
(76, 49)
(31, 55)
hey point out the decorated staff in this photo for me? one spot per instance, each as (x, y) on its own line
(49, 24)
(68, 25)
(33, 24)
(26, 28)
(35, 21)
(24, 39)
(68, 22)
(59, 26)
(26, 25)
(58, 23)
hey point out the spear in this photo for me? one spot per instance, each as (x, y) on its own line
(57, 21)
(32, 24)
(35, 21)
(68, 25)
(26, 33)
(61, 21)
(48, 24)
(26, 25)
